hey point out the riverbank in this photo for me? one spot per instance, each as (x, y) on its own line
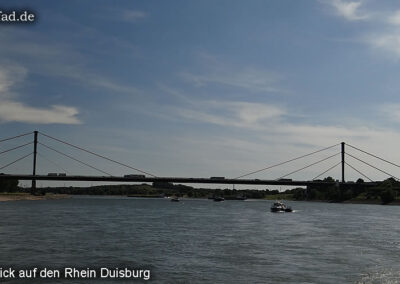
(370, 201)
(27, 196)
(15, 196)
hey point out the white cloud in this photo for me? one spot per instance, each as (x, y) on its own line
(133, 15)
(263, 118)
(391, 111)
(9, 77)
(254, 112)
(349, 10)
(232, 113)
(394, 19)
(60, 60)
(89, 79)
(224, 74)
(18, 112)
(388, 42)
(384, 36)
(12, 110)
(248, 78)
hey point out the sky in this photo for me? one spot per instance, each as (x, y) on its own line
(203, 88)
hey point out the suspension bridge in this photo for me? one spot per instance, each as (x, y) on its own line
(146, 176)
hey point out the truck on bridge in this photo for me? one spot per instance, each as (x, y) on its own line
(217, 178)
(134, 176)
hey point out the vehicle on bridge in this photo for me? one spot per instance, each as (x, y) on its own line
(62, 174)
(52, 174)
(134, 176)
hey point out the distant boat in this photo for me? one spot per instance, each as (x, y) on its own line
(236, 198)
(175, 199)
(280, 207)
(147, 196)
(219, 198)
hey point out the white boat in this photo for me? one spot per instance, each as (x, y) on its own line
(219, 198)
(279, 206)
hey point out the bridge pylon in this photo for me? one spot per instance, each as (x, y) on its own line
(35, 141)
(343, 154)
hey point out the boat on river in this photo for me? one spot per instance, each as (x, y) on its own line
(279, 206)
(219, 198)
(238, 197)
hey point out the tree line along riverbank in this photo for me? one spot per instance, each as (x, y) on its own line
(387, 191)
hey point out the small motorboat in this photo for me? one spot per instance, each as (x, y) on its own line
(219, 198)
(175, 199)
(280, 207)
(239, 197)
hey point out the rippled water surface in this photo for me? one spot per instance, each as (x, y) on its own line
(201, 241)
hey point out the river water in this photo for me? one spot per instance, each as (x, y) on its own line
(201, 241)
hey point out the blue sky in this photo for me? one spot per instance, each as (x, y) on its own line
(203, 88)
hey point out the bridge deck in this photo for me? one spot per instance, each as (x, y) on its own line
(174, 179)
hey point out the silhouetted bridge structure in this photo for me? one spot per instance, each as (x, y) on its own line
(145, 176)
(176, 180)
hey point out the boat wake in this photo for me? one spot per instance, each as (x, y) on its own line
(383, 276)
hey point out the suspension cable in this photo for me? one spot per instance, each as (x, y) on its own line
(15, 137)
(54, 163)
(372, 166)
(288, 161)
(9, 150)
(79, 161)
(19, 159)
(309, 165)
(358, 171)
(365, 152)
(95, 154)
(327, 170)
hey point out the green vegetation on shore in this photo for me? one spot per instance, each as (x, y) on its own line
(385, 192)
(9, 185)
(161, 189)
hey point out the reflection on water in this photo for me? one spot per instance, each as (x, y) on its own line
(200, 241)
